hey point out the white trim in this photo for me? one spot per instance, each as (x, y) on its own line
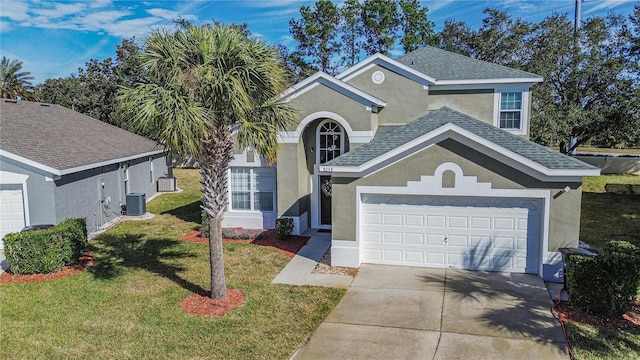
(293, 137)
(531, 80)
(10, 178)
(467, 186)
(334, 84)
(472, 140)
(252, 190)
(58, 172)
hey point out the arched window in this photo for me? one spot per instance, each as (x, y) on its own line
(330, 141)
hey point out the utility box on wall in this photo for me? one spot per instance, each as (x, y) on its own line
(136, 204)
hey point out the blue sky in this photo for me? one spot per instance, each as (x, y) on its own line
(55, 38)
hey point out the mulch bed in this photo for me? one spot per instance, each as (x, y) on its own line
(628, 321)
(202, 304)
(324, 267)
(86, 260)
(289, 246)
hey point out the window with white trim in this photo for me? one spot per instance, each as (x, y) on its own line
(510, 110)
(330, 141)
(252, 189)
(151, 170)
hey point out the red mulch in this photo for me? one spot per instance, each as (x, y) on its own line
(86, 260)
(289, 246)
(202, 304)
(628, 321)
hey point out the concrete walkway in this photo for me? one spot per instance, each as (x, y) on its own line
(419, 313)
(299, 270)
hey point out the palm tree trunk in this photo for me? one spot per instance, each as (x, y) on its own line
(214, 163)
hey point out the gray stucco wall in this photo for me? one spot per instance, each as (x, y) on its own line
(564, 210)
(41, 201)
(406, 99)
(475, 103)
(83, 194)
(321, 98)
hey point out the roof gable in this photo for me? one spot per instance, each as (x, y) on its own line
(321, 78)
(445, 123)
(60, 141)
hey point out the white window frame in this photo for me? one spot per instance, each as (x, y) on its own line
(125, 178)
(252, 189)
(150, 170)
(320, 133)
(524, 110)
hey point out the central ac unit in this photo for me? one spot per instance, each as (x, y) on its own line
(166, 184)
(136, 204)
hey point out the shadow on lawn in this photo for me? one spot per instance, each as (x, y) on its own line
(114, 253)
(189, 213)
(604, 342)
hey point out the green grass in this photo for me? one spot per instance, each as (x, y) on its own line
(128, 304)
(607, 217)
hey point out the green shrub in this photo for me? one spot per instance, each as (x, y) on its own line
(204, 224)
(284, 227)
(46, 251)
(605, 284)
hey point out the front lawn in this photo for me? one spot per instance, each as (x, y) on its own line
(128, 304)
(607, 217)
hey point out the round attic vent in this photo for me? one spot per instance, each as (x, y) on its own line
(377, 77)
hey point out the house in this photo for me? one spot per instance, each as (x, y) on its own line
(56, 163)
(422, 160)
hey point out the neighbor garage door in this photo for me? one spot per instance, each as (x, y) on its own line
(11, 212)
(455, 232)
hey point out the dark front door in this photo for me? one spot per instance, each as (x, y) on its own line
(325, 200)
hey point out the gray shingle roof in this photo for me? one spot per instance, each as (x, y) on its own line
(61, 138)
(437, 118)
(445, 65)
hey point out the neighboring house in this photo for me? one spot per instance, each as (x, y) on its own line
(56, 163)
(422, 161)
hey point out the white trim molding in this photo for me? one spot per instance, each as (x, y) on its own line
(524, 108)
(293, 137)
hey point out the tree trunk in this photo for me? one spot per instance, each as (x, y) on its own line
(216, 259)
(214, 163)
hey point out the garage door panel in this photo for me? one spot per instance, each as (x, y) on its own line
(393, 219)
(436, 221)
(480, 223)
(458, 222)
(458, 241)
(467, 233)
(414, 220)
(392, 238)
(414, 239)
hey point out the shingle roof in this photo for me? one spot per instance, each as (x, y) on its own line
(437, 118)
(445, 65)
(61, 138)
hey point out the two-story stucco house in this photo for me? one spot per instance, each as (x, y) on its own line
(422, 160)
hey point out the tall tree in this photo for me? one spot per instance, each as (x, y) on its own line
(351, 29)
(14, 82)
(66, 92)
(317, 35)
(205, 84)
(380, 25)
(588, 84)
(417, 28)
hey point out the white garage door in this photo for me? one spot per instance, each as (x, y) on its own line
(11, 212)
(454, 232)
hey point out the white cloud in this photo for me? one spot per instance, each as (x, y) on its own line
(59, 10)
(606, 5)
(16, 11)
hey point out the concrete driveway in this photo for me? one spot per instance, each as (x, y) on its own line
(394, 312)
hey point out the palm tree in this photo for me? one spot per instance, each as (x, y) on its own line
(208, 86)
(13, 82)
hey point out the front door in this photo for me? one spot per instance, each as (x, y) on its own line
(325, 200)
